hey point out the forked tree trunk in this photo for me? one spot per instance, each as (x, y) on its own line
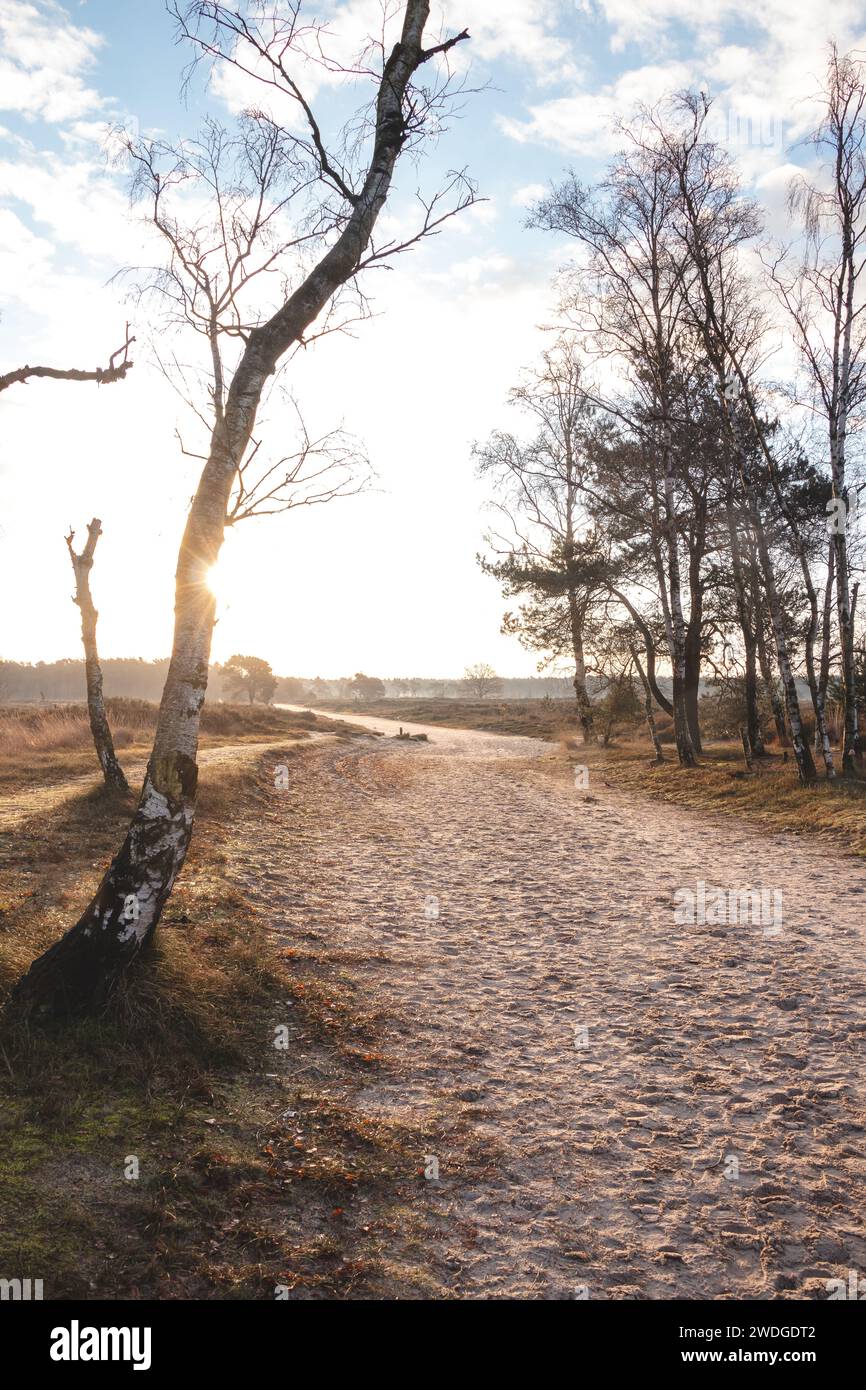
(672, 612)
(692, 689)
(99, 726)
(648, 704)
(79, 971)
(826, 633)
(677, 625)
(770, 683)
(584, 704)
(746, 620)
(850, 746)
(802, 751)
(661, 700)
(753, 714)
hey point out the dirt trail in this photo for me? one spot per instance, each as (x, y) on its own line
(704, 1136)
(20, 806)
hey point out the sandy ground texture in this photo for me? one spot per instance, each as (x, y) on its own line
(642, 1109)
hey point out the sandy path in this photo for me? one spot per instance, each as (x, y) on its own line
(555, 915)
(22, 805)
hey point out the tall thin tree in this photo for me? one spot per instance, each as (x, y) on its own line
(78, 972)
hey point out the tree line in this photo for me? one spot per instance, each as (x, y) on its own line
(674, 502)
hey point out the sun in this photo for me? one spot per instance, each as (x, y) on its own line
(215, 579)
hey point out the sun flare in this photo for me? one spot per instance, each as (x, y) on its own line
(214, 579)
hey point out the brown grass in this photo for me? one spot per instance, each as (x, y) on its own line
(548, 719)
(770, 797)
(44, 744)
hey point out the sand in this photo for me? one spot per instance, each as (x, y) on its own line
(644, 1109)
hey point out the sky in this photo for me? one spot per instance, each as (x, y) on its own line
(386, 582)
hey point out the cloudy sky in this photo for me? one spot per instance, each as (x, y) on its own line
(386, 582)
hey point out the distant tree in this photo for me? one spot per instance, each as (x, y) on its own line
(6, 678)
(545, 549)
(251, 676)
(82, 563)
(292, 689)
(481, 680)
(367, 687)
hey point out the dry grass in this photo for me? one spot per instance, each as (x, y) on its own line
(770, 797)
(44, 744)
(548, 719)
(37, 728)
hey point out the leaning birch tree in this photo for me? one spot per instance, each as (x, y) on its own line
(344, 197)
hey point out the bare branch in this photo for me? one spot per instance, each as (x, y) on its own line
(103, 376)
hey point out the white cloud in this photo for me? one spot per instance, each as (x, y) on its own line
(79, 201)
(527, 195)
(44, 56)
(585, 122)
(514, 30)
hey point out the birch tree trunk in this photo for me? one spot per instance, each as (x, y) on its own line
(672, 610)
(648, 704)
(851, 742)
(584, 705)
(694, 630)
(826, 634)
(753, 720)
(79, 971)
(685, 747)
(802, 751)
(769, 680)
(692, 677)
(82, 564)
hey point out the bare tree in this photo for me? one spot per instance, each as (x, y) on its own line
(715, 221)
(343, 207)
(549, 552)
(629, 301)
(482, 680)
(82, 564)
(825, 303)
